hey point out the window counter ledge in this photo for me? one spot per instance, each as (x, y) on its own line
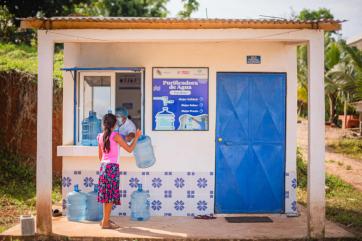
(90, 151)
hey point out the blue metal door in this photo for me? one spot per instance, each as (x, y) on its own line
(250, 143)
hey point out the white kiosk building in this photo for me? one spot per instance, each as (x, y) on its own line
(218, 97)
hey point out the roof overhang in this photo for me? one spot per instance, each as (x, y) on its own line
(174, 23)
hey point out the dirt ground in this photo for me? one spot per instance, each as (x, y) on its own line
(335, 163)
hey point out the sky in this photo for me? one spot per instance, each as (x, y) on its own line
(350, 10)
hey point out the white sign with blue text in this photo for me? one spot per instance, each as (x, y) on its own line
(180, 99)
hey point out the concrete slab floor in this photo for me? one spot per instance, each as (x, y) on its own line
(188, 228)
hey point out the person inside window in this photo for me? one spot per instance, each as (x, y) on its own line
(127, 128)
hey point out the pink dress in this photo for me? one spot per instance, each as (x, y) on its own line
(108, 182)
(112, 155)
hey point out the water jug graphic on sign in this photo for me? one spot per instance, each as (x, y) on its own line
(143, 152)
(94, 211)
(140, 205)
(91, 126)
(165, 119)
(76, 205)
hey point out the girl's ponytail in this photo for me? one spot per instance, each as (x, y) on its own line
(109, 121)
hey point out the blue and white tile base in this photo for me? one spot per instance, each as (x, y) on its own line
(291, 194)
(172, 193)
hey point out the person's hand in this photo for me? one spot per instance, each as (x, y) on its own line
(138, 133)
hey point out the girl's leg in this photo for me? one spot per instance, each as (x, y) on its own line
(107, 208)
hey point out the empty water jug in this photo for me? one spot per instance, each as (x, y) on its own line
(94, 210)
(165, 120)
(140, 205)
(76, 205)
(91, 127)
(143, 152)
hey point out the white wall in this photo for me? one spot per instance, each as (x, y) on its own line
(71, 55)
(184, 151)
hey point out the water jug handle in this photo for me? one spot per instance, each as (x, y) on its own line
(148, 203)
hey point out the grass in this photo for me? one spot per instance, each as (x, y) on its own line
(17, 189)
(348, 146)
(24, 58)
(343, 201)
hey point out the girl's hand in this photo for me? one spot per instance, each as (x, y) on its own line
(138, 133)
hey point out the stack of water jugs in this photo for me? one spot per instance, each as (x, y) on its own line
(84, 206)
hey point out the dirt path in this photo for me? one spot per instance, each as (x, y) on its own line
(350, 170)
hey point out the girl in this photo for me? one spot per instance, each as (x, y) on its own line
(108, 192)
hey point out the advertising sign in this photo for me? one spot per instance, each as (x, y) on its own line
(180, 99)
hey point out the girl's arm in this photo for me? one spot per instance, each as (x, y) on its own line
(124, 145)
(100, 152)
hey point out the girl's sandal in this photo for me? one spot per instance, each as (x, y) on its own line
(110, 226)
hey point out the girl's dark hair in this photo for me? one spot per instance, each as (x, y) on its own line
(109, 121)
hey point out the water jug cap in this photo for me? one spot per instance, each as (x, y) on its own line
(76, 189)
(139, 186)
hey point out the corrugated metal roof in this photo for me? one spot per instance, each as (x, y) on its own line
(73, 22)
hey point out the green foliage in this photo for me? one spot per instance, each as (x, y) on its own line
(46, 8)
(189, 7)
(7, 28)
(123, 8)
(17, 188)
(343, 202)
(12, 10)
(18, 57)
(302, 58)
(343, 71)
(302, 75)
(307, 14)
(17, 178)
(302, 170)
(24, 58)
(348, 146)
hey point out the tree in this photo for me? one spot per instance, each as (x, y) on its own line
(122, 8)
(6, 25)
(189, 7)
(307, 14)
(332, 57)
(46, 8)
(16, 9)
(355, 57)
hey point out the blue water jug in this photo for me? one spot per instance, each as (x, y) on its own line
(76, 205)
(94, 210)
(91, 127)
(143, 152)
(140, 205)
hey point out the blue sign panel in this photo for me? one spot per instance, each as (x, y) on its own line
(253, 59)
(180, 99)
